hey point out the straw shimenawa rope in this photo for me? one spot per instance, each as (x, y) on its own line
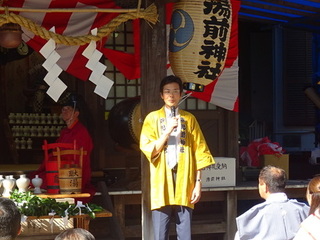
(149, 14)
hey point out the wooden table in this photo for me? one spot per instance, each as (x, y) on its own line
(57, 196)
(78, 221)
(228, 195)
(81, 221)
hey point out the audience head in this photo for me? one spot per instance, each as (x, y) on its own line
(75, 234)
(10, 220)
(313, 194)
(271, 180)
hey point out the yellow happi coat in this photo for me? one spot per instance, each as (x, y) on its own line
(194, 155)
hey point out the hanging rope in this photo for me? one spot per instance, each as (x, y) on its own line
(149, 14)
(139, 6)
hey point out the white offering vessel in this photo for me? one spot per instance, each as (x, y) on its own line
(23, 183)
(37, 182)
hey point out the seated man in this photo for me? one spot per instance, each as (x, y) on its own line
(10, 220)
(277, 218)
(74, 131)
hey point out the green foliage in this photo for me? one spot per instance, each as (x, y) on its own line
(32, 205)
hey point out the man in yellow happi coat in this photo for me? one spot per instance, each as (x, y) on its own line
(172, 141)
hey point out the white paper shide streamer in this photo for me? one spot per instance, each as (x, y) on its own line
(103, 84)
(56, 86)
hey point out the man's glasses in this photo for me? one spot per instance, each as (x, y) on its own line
(173, 92)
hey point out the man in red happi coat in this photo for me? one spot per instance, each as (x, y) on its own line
(74, 131)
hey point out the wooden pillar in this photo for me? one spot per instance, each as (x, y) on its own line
(231, 214)
(153, 69)
(232, 150)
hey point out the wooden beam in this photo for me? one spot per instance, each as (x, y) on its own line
(278, 18)
(278, 8)
(244, 18)
(69, 10)
(281, 12)
(153, 69)
(293, 5)
(309, 22)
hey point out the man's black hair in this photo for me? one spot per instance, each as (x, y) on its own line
(10, 219)
(171, 79)
(75, 101)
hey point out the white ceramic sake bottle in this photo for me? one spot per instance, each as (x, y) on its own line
(14, 181)
(37, 182)
(8, 184)
(23, 183)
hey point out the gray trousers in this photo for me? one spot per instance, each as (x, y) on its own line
(161, 222)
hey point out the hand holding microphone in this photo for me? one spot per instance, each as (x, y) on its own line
(173, 111)
(174, 119)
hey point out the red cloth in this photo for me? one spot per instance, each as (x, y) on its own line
(83, 139)
(258, 147)
(127, 63)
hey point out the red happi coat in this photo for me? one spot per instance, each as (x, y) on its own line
(80, 134)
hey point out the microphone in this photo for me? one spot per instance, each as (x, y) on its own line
(173, 111)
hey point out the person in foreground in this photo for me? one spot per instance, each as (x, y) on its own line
(75, 234)
(278, 218)
(173, 143)
(10, 220)
(310, 227)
